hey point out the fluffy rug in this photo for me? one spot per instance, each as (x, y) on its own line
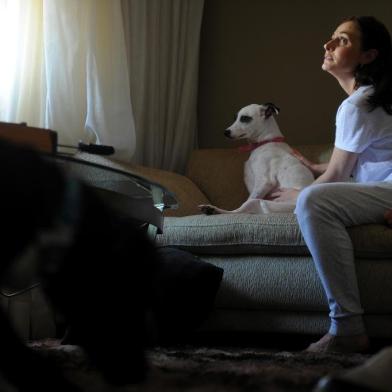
(207, 369)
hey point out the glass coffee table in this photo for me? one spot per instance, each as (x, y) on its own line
(129, 194)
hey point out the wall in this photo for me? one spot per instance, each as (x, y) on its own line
(255, 51)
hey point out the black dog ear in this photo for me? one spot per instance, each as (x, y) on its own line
(271, 109)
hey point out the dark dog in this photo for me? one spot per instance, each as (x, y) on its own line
(94, 267)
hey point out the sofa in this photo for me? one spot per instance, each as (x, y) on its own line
(269, 284)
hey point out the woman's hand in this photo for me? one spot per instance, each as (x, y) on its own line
(316, 168)
(284, 195)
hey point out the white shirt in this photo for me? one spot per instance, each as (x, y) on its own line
(367, 133)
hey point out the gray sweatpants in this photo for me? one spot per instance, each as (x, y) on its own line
(324, 211)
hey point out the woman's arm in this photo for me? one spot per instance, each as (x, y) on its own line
(339, 168)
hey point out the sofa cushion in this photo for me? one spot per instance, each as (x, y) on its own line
(261, 234)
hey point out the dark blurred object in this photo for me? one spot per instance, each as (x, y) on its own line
(93, 263)
(374, 375)
(93, 228)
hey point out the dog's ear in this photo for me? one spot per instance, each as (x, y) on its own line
(271, 109)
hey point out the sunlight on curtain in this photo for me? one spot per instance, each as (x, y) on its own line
(66, 69)
(21, 65)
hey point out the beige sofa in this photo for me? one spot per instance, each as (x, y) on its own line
(270, 283)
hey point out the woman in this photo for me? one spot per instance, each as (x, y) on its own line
(359, 56)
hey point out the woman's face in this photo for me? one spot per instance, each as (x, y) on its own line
(343, 51)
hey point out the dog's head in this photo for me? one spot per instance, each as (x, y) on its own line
(253, 121)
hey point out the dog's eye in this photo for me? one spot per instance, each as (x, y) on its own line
(245, 119)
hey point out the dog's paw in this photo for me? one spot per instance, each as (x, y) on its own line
(208, 209)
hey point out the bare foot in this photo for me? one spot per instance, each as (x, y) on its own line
(340, 344)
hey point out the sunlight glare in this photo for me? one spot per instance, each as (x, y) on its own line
(10, 35)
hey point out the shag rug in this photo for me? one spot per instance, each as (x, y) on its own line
(206, 368)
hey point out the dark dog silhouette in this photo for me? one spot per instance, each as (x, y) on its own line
(94, 266)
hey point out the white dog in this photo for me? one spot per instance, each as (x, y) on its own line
(271, 164)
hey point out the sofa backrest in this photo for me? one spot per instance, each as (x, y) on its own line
(219, 172)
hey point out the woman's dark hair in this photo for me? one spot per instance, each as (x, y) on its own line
(378, 73)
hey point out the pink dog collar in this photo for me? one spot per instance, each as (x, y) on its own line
(252, 146)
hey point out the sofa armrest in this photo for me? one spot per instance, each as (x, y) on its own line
(219, 174)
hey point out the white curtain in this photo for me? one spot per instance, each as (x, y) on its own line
(64, 67)
(163, 54)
